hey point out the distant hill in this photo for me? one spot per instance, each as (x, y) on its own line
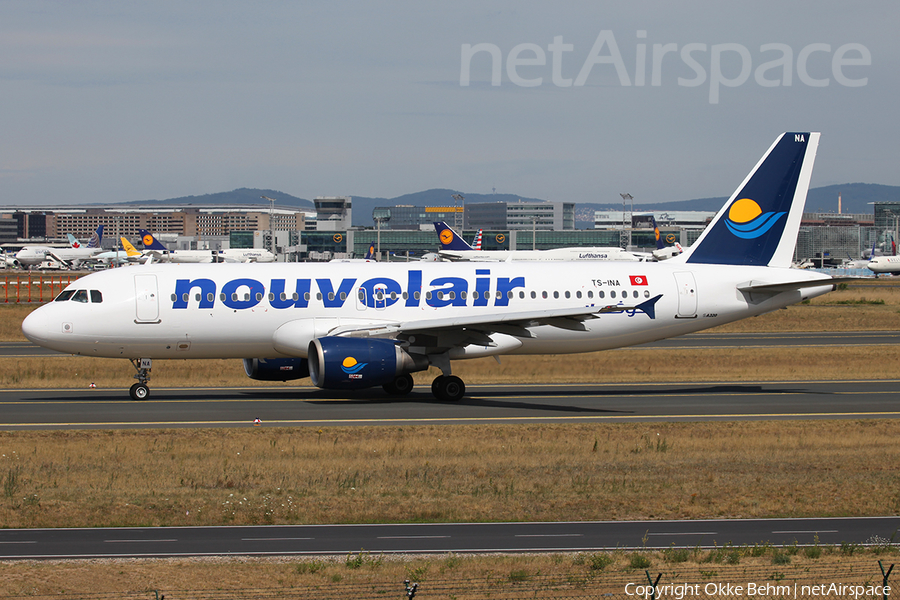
(855, 198)
(238, 196)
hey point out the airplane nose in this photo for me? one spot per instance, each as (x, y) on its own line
(35, 326)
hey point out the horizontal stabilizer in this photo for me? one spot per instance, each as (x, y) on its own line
(774, 288)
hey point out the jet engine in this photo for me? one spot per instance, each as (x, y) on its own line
(276, 369)
(356, 363)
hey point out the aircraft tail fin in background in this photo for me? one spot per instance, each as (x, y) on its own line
(370, 253)
(96, 238)
(659, 243)
(477, 243)
(450, 240)
(759, 223)
(150, 242)
(73, 241)
(130, 250)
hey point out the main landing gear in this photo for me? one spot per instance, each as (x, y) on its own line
(140, 390)
(446, 388)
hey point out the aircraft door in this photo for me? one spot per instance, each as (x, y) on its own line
(687, 295)
(146, 296)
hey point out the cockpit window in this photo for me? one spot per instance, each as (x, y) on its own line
(64, 295)
(96, 296)
(80, 296)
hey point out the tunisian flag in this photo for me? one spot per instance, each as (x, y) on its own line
(638, 280)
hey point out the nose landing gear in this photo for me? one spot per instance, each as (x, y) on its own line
(140, 390)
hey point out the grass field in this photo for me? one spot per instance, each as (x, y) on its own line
(449, 473)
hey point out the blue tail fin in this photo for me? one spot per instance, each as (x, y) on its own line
(150, 242)
(759, 223)
(370, 254)
(96, 238)
(450, 240)
(659, 242)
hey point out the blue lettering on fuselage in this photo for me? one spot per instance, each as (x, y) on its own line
(377, 292)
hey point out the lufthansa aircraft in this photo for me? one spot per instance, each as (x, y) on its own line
(455, 248)
(351, 326)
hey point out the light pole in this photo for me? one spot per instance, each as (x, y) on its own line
(271, 221)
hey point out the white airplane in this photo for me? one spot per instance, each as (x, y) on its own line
(348, 326)
(884, 264)
(455, 248)
(154, 247)
(73, 256)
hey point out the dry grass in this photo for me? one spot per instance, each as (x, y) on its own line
(583, 575)
(449, 473)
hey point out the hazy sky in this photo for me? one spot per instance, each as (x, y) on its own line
(121, 101)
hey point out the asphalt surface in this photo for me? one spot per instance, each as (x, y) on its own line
(692, 340)
(306, 406)
(436, 538)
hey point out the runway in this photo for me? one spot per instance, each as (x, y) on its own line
(435, 538)
(693, 340)
(582, 403)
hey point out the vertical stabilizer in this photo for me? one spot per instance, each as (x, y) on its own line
(759, 223)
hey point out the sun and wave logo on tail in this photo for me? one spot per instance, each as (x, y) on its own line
(746, 219)
(351, 366)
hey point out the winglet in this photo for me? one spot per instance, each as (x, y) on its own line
(759, 223)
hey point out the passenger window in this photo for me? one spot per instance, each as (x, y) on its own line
(184, 297)
(533, 295)
(96, 296)
(612, 294)
(343, 296)
(568, 295)
(209, 297)
(66, 294)
(591, 294)
(578, 294)
(555, 295)
(80, 296)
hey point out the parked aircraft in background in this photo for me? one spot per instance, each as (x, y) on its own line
(454, 248)
(30, 256)
(349, 326)
(884, 265)
(662, 251)
(160, 253)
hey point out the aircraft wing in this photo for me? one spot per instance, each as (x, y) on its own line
(513, 323)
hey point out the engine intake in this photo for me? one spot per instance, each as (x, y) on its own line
(356, 363)
(276, 369)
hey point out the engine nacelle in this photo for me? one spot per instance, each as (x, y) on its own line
(276, 369)
(356, 363)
